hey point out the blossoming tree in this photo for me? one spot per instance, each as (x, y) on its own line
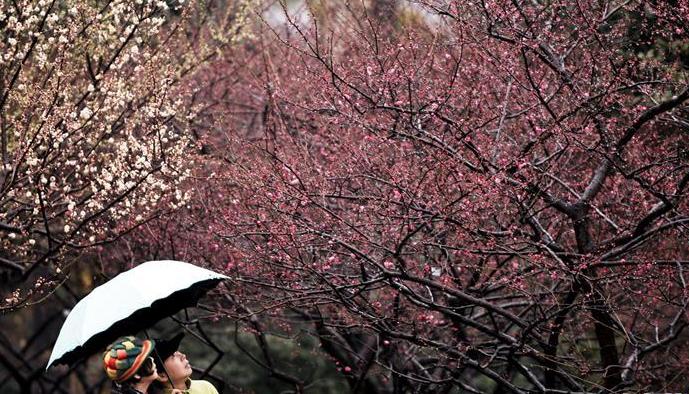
(481, 196)
(94, 141)
(93, 118)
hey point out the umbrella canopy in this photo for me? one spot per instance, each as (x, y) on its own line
(130, 302)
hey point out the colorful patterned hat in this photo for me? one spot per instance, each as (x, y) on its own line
(123, 357)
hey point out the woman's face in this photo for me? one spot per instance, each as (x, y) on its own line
(177, 366)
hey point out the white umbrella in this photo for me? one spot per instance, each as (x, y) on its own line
(130, 302)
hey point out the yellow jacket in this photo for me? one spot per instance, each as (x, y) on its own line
(197, 387)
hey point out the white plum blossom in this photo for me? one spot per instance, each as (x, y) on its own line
(85, 113)
(85, 118)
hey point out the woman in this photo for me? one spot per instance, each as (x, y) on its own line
(128, 363)
(175, 371)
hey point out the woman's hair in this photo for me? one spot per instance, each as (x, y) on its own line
(126, 387)
(146, 369)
